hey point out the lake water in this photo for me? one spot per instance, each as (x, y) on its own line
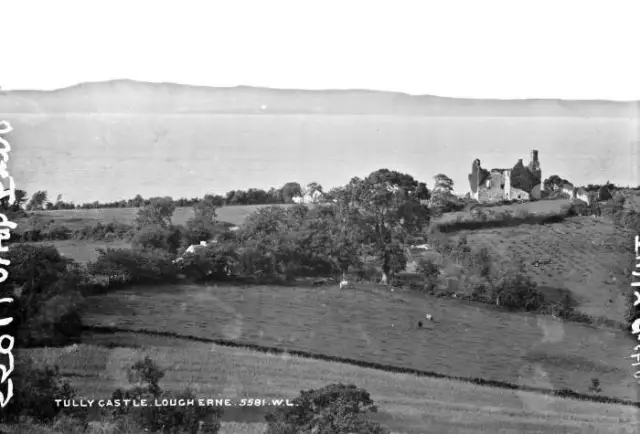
(110, 157)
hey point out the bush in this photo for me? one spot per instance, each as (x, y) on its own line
(215, 261)
(484, 219)
(109, 231)
(156, 237)
(367, 272)
(34, 393)
(146, 374)
(516, 290)
(48, 299)
(124, 266)
(336, 409)
(252, 262)
(430, 270)
(578, 208)
(57, 231)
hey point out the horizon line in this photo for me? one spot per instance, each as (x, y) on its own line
(345, 90)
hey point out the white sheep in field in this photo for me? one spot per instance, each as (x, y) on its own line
(428, 317)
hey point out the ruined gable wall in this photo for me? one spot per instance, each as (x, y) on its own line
(493, 188)
(477, 176)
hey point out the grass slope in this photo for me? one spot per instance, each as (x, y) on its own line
(83, 250)
(406, 403)
(583, 256)
(378, 326)
(77, 218)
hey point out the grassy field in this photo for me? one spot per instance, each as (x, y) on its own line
(237, 213)
(407, 404)
(83, 250)
(538, 207)
(379, 326)
(74, 219)
(584, 256)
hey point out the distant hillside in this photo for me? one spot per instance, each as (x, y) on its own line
(128, 96)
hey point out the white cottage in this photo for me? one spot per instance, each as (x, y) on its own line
(313, 197)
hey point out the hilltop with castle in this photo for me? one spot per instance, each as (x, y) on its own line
(517, 183)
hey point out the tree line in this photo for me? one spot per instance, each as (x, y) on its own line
(253, 196)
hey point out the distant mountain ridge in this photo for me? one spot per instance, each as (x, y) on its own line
(131, 97)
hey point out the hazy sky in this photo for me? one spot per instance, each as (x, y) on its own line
(479, 48)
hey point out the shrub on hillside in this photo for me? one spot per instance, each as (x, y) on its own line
(513, 289)
(57, 322)
(56, 231)
(367, 272)
(34, 393)
(145, 376)
(480, 218)
(123, 266)
(254, 263)
(33, 229)
(47, 292)
(213, 262)
(156, 237)
(430, 270)
(336, 409)
(109, 231)
(578, 208)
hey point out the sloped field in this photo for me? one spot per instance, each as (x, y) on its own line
(406, 403)
(381, 327)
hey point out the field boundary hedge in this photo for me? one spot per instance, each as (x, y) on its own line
(562, 393)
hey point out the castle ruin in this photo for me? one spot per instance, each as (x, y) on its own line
(520, 182)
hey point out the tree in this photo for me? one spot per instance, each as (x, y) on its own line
(158, 212)
(20, 198)
(48, 299)
(554, 181)
(422, 192)
(266, 221)
(35, 391)
(202, 225)
(137, 201)
(335, 409)
(312, 187)
(289, 191)
(442, 184)
(37, 201)
(145, 376)
(327, 234)
(384, 208)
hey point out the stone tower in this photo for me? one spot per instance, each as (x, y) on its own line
(507, 184)
(535, 163)
(535, 170)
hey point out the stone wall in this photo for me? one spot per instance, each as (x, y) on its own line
(477, 176)
(493, 188)
(521, 182)
(517, 194)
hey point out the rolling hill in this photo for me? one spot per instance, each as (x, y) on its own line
(128, 96)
